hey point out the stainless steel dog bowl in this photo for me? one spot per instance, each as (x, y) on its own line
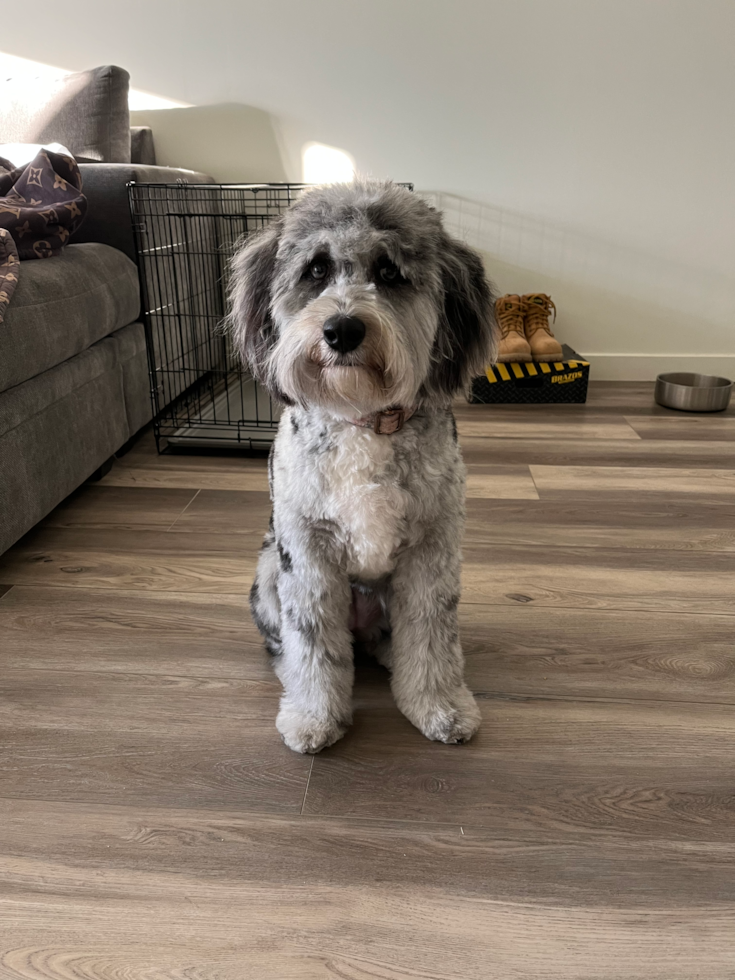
(693, 392)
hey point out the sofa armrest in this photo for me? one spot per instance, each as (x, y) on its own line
(142, 148)
(108, 213)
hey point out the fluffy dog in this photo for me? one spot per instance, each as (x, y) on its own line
(359, 313)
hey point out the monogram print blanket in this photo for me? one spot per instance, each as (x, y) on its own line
(41, 205)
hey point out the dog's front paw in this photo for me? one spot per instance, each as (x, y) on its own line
(303, 732)
(451, 718)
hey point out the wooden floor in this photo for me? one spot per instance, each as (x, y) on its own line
(152, 825)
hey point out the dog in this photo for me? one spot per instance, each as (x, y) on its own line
(363, 317)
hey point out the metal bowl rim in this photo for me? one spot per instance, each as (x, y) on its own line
(711, 381)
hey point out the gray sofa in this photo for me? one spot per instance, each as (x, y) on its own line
(73, 365)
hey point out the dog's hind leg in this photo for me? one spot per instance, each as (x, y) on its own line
(265, 605)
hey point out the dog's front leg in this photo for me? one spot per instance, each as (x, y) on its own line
(316, 664)
(427, 663)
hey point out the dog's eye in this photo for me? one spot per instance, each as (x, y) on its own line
(318, 270)
(389, 272)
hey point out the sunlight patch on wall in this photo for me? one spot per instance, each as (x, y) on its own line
(144, 100)
(326, 164)
(11, 66)
(14, 67)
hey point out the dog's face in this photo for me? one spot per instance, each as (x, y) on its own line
(356, 300)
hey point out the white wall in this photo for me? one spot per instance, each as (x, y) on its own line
(586, 146)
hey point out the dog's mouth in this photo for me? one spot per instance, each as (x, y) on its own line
(347, 376)
(344, 380)
(350, 383)
(342, 364)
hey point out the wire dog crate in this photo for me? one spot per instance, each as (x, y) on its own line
(185, 235)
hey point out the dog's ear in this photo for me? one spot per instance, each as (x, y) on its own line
(250, 320)
(466, 337)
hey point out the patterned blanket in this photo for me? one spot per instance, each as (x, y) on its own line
(41, 205)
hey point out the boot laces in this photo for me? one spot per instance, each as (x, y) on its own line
(510, 318)
(537, 314)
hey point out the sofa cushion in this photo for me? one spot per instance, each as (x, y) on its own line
(64, 304)
(55, 430)
(87, 111)
(39, 393)
(132, 356)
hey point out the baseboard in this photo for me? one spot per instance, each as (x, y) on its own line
(645, 367)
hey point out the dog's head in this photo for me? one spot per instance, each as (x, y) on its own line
(356, 299)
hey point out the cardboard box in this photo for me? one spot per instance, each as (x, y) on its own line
(534, 381)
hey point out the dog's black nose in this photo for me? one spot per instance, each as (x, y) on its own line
(343, 333)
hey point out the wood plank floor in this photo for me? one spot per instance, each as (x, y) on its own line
(152, 825)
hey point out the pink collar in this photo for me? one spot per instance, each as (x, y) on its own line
(387, 422)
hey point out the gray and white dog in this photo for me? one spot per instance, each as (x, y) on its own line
(359, 313)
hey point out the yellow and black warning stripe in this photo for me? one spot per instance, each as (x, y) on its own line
(529, 369)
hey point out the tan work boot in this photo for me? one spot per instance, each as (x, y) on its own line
(513, 345)
(543, 345)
